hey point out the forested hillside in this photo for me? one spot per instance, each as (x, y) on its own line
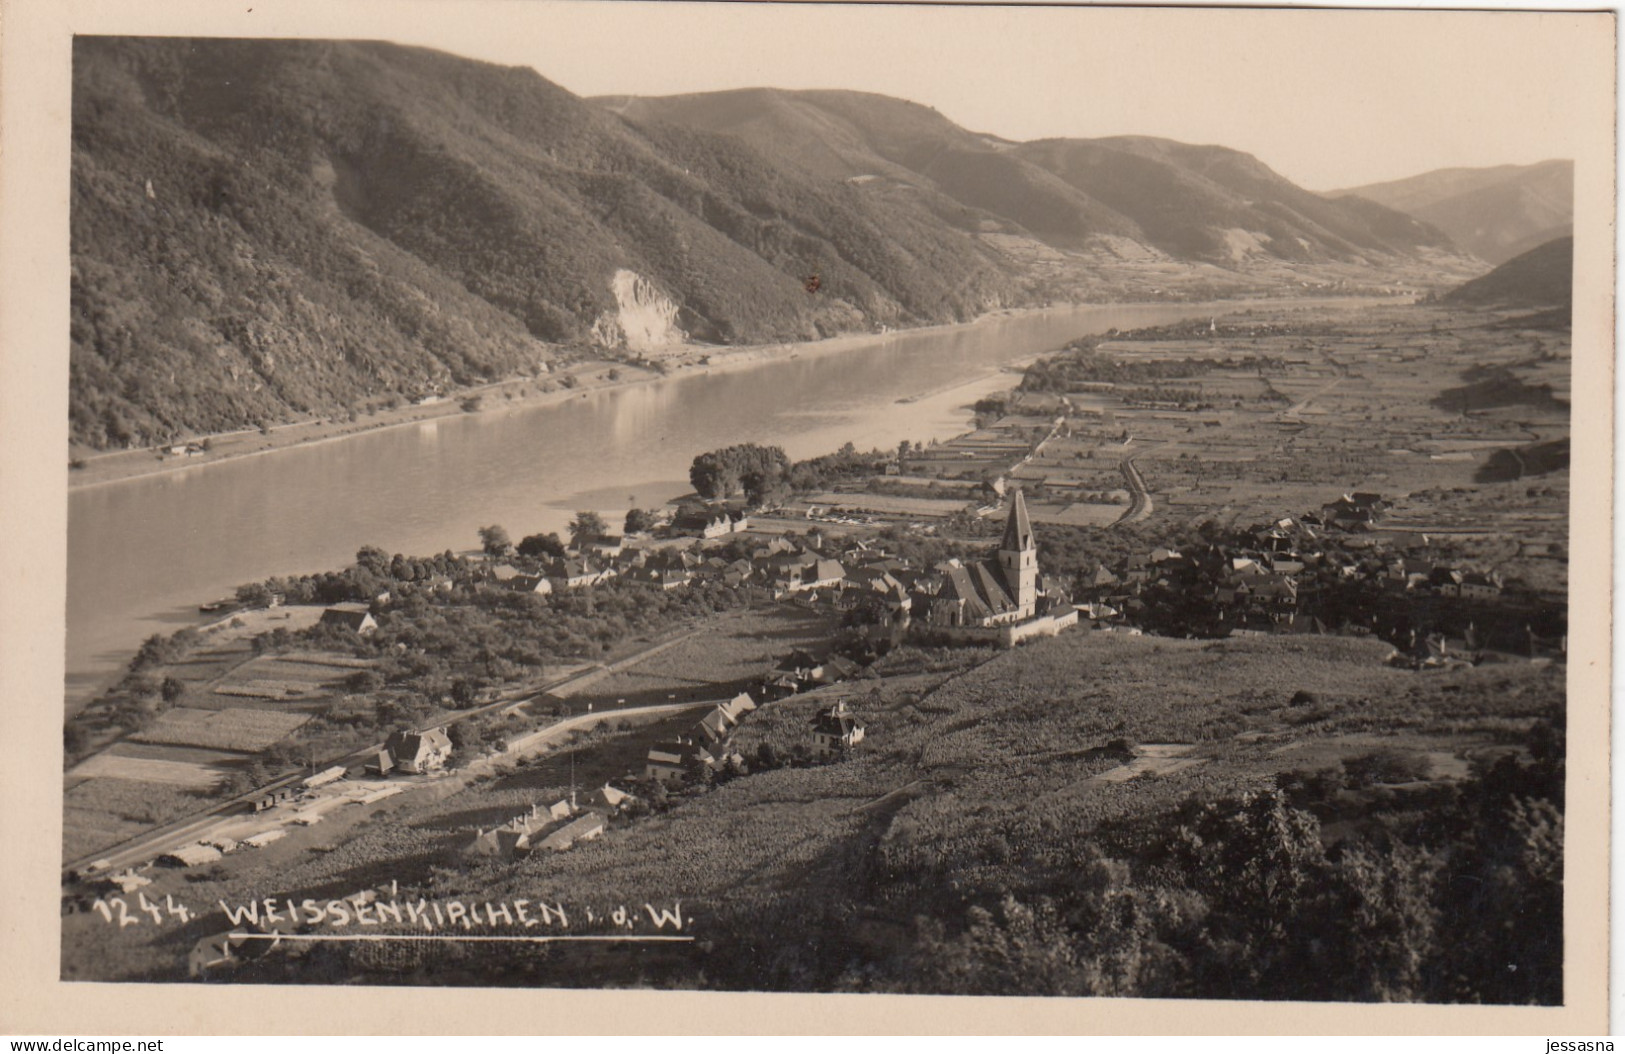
(1203, 203)
(266, 228)
(1541, 277)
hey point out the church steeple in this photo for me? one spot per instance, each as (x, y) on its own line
(1018, 530)
(1018, 559)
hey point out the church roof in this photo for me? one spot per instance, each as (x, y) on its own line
(1018, 530)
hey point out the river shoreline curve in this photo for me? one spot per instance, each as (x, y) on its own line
(108, 467)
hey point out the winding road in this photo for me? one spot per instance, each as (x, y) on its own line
(1139, 505)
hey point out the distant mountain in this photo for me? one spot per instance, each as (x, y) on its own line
(1200, 203)
(1496, 213)
(267, 228)
(1543, 277)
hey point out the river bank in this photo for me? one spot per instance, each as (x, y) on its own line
(577, 381)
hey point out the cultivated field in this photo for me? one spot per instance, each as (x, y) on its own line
(728, 653)
(238, 728)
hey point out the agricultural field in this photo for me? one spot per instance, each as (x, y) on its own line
(100, 812)
(728, 653)
(303, 677)
(1398, 399)
(238, 729)
(887, 504)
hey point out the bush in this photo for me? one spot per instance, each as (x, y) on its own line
(1386, 766)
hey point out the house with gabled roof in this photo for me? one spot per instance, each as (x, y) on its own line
(353, 617)
(835, 731)
(418, 752)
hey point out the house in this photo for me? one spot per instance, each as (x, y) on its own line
(662, 575)
(737, 707)
(609, 799)
(835, 731)
(583, 829)
(419, 752)
(541, 585)
(820, 573)
(1359, 511)
(353, 617)
(711, 523)
(578, 572)
(781, 686)
(715, 726)
(1479, 585)
(670, 762)
(504, 572)
(802, 666)
(513, 839)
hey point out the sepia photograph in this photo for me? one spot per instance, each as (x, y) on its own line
(834, 499)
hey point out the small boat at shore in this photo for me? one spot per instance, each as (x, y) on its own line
(223, 604)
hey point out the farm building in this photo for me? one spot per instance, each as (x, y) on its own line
(353, 617)
(272, 798)
(190, 856)
(325, 777)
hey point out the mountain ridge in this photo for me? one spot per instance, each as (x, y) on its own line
(1063, 191)
(265, 230)
(1496, 212)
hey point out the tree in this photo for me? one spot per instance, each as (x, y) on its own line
(254, 595)
(373, 559)
(639, 520)
(587, 527)
(721, 473)
(542, 545)
(363, 681)
(494, 540)
(171, 689)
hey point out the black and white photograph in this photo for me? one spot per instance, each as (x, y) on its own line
(833, 499)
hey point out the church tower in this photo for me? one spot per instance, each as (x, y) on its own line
(1018, 559)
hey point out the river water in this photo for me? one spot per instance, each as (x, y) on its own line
(143, 553)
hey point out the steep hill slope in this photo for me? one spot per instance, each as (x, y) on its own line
(1496, 212)
(267, 228)
(1193, 203)
(1541, 277)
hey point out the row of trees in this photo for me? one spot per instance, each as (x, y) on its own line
(587, 527)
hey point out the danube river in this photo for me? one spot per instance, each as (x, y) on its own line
(143, 553)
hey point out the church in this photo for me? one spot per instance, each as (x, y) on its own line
(994, 593)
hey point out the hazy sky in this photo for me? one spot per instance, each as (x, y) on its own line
(1329, 99)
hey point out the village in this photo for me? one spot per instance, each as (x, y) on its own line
(647, 655)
